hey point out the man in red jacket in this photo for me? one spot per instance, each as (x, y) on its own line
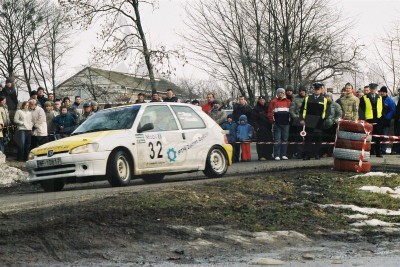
(279, 116)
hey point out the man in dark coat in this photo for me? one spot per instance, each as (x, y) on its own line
(239, 109)
(263, 129)
(312, 114)
(12, 100)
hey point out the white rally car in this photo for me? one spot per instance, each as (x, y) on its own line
(138, 141)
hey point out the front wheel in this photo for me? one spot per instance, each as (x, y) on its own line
(119, 171)
(52, 185)
(216, 163)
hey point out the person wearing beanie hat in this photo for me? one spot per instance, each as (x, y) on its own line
(263, 129)
(371, 105)
(95, 106)
(12, 100)
(279, 117)
(387, 116)
(313, 112)
(279, 90)
(289, 92)
(216, 113)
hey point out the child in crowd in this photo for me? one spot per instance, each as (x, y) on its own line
(244, 134)
(231, 129)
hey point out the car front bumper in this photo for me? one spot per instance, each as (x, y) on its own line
(70, 165)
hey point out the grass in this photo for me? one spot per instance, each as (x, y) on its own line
(273, 201)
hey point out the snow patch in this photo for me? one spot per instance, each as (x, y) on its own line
(357, 216)
(10, 176)
(374, 174)
(382, 190)
(375, 222)
(364, 210)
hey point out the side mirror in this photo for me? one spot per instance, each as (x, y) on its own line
(146, 127)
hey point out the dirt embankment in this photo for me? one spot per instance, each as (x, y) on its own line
(208, 223)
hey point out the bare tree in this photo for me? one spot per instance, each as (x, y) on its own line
(260, 45)
(51, 46)
(122, 32)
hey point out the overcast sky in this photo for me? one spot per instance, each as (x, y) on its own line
(372, 19)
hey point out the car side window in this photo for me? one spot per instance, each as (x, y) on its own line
(188, 118)
(161, 117)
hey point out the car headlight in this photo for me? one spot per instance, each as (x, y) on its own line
(31, 156)
(85, 148)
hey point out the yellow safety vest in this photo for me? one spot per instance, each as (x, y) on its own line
(305, 108)
(368, 108)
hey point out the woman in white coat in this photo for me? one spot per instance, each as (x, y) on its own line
(23, 120)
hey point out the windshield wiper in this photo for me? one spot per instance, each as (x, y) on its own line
(94, 130)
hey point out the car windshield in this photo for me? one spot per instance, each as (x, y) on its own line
(109, 119)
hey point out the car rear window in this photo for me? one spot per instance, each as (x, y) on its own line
(188, 118)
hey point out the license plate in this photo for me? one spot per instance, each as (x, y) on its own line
(48, 162)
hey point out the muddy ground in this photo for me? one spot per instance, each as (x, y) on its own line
(243, 221)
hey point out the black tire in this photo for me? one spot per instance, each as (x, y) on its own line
(153, 178)
(52, 185)
(119, 169)
(216, 163)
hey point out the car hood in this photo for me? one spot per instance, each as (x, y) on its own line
(68, 143)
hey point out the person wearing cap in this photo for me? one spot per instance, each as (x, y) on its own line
(289, 92)
(50, 115)
(216, 113)
(295, 126)
(372, 106)
(230, 128)
(349, 104)
(86, 112)
(389, 108)
(11, 95)
(140, 99)
(333, 114)
(263, 129)
(94, 106)
(40, 96)
(312, 114)
(279, 116)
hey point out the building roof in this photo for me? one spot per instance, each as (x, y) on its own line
(128, 80)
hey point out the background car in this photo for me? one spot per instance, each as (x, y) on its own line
(138, 141)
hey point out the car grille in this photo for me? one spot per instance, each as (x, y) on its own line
(55, 170)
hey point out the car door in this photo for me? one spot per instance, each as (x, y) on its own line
(158, 147)
(195, 133)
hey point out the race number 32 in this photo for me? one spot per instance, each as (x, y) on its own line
(153, 148)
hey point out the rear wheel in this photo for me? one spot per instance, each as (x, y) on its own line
(216, 163)
(52, 185)
(119, 170)
(153, 178)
